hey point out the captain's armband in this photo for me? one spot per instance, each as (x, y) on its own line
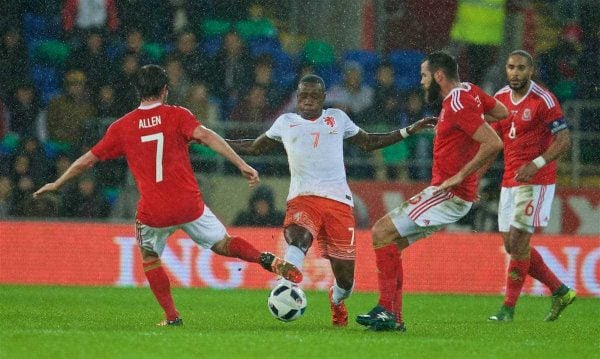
(558, 125)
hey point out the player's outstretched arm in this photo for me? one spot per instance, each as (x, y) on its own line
(254, 147)
(488, 164)
(490, 146)
(373, 141)
(218, 144)
(497, 113)
(82, 164)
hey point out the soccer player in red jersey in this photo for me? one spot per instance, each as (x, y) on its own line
(463, 143)
(319, 206)
(535, 134)
(154, 139)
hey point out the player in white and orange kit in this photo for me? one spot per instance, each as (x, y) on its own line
(154, 138)
(320, 203)
(535, 134)
(464, 142)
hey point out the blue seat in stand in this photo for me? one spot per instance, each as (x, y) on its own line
(210, 45)
(47, 81)
(369, 60)
(263, 45)
(331, 74)
(407, 66)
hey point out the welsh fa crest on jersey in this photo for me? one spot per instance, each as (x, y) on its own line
(526, 115)
(329, 121)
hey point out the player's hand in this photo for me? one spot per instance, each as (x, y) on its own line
(449, 184)
(48, 187)
(251, 174)
(422, 124)
(526, 172)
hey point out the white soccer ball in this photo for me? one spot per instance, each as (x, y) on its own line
(287, 302)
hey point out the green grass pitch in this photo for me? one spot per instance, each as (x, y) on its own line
(84, 322)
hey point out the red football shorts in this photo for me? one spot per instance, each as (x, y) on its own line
(330, 222)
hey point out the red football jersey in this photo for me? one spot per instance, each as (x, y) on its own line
(454, 147)
(154, 140)
(487, 102)
(527, 132)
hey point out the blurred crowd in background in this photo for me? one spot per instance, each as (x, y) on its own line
(67, 69)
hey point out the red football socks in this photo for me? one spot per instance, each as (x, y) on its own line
(540, 271)
(517, 272)
(160, 286)
(398, 298)
(242, 249)
(386, 259)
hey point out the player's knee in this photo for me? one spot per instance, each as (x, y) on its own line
(517, 247)
(303, 243)
(506, 241)
(380, 234)
(148, 255)
(376, 234)
(299, 237)
(512, 243)
(520, 251)
(221, 247)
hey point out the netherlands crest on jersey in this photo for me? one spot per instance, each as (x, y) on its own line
(329, 121)
(526, 115)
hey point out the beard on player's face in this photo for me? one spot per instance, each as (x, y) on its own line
(517, 85)
(432, 94)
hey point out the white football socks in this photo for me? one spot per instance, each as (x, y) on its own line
(339, 294)
(295, 256)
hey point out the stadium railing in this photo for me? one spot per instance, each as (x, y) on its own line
(583, 165)
(580, 168)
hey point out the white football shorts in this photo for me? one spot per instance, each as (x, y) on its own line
(525, 207)
(426, 213)
(206, 230)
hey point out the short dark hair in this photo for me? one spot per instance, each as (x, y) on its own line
(151, 79)
(313, 79)
(524, 54)
(443, 61)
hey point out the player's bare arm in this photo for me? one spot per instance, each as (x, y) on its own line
(499, 112)
(218, 144)
(373, 141)
(560, 145)
(254, 147)
(82, 164)
(490, 146)
(488, 164)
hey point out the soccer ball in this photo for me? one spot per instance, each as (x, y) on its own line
(287, 302)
